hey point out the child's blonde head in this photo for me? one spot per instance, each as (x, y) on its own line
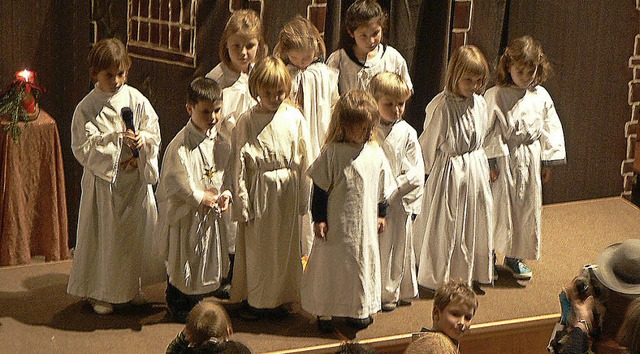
(527, 52)
(269, 73)
(207, 320)
(246, 22)
(466, 60)
(455, 291)
(353, 110)
(391, 85)
(108, 53)
(360, 13)
(300, 34)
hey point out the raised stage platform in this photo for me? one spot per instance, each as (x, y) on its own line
(36, 314)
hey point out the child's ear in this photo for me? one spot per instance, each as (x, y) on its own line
(350, 32)
(435, 315)
(93, 74)
(189, 108)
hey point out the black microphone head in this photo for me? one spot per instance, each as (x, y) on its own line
(127, 116)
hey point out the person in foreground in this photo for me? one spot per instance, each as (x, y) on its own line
(595, 304)
(208, 330)
(454, 306)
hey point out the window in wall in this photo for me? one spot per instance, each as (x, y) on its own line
(163, 30)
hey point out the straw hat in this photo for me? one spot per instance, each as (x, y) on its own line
(619, 267)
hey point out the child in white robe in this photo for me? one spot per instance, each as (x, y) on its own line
(314, 88)
(362, 55)
(528, 125)
(241, 45)
(190, 183)
(455, 227)
(351, 180)
(117, 207)
(270, 194)
(400, 144)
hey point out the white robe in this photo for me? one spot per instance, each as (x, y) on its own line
(342, 277)
(355, 75)
(117, 208)
(316, 87)
(236, 99)
(271, 193)
(397, 257)
(188, 232)
(533, 135)
(454, 231)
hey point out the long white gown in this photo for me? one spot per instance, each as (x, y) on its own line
(454, 232)
(117, 207)
(397, 257)
(188, 232)
(315, 89)
(236, 99)
(355, 75)
(342, 277)
(533, 135)
(271, 193)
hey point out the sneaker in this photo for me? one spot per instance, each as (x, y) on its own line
(518, 268)
(325, 324)
(360, 323)
(406, 302)
(388, 306)
(101, 307)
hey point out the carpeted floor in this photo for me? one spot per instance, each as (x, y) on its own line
(37, 316)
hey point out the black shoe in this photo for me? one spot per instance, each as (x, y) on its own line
(223, 292)
(406, 302)
(249, 313)
(360, 323)
(325, 326)
(276, 313)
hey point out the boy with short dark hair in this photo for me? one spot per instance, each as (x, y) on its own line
(189, 202)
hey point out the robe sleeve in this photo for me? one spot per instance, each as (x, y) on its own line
(411, 179)
(552, 138)
(304, 153)
(235, 179)
(434, 133)
(96, 150)
(320, 170)
(178, 179)
(494, 145)
(149, 130)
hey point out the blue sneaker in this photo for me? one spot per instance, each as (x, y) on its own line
(518, 268)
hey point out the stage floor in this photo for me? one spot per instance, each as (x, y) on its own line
(36, 314)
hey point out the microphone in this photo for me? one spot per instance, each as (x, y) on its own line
(127, 116)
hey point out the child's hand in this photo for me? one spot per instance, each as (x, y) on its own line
(223, 201)
(132, 140)
(209, 200)
(493, 174)
(381, 224)
(130, 164)
(320, 229)
(546, 174)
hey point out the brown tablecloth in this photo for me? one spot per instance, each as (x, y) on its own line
(33, 208)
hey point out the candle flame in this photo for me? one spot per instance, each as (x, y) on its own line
(25, 75)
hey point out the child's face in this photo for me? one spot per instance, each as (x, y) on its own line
(454, 319)
(300, 58)
(367, 36)
(391, 109)
(522, 75)
(110, 80)
(204, 114)
(469, 84)
(359, 134)
(242, 50)
(271, 98)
